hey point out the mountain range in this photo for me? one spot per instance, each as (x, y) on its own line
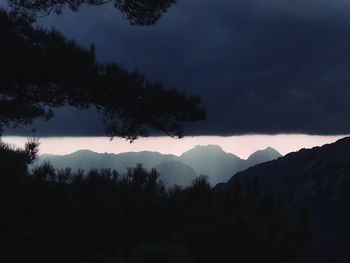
(317, 180)
(208, 160)
(312, 181)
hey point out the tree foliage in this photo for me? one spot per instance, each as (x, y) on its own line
(41, 70)
(104, 216)
(14, 161)
(138, 12)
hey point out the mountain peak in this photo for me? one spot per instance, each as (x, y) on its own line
(266, 151)
(270, 149)
(83, 152)
(211, 147)
(208, 151)
(261, 156)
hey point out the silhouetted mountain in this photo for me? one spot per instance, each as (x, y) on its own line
(175, 172)
(211, 160)
(318, 180)
(85, 159)
(208, 160)
(262, 156)
(219, 165)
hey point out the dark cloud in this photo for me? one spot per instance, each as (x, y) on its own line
(260, 66)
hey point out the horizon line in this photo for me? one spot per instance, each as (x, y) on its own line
(240, 145)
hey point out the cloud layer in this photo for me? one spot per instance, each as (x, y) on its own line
(260, 66)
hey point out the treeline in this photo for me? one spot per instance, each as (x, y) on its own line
(103, 216)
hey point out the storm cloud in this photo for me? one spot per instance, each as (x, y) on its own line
(267, 66)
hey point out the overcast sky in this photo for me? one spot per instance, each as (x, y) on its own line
(260, 66)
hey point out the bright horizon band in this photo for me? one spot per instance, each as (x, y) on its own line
(242, 145)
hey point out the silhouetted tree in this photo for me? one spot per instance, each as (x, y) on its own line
(102, 216)
(14, 161)
(41, 70)
(138, 12)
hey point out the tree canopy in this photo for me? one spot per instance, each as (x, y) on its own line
(53, 215)
(138, 12)
(41, 70)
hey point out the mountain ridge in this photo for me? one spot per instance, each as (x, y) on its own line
(316, 179)
(209, 160)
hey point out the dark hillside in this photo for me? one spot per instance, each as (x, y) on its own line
(317, 180)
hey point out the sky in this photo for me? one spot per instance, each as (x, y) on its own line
(242, 146)
(260, 66)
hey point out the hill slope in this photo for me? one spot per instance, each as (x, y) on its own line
(175, 172)
(317, 179)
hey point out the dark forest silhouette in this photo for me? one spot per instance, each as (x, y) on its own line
(104, 216)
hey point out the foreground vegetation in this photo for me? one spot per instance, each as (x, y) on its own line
(103, 216)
